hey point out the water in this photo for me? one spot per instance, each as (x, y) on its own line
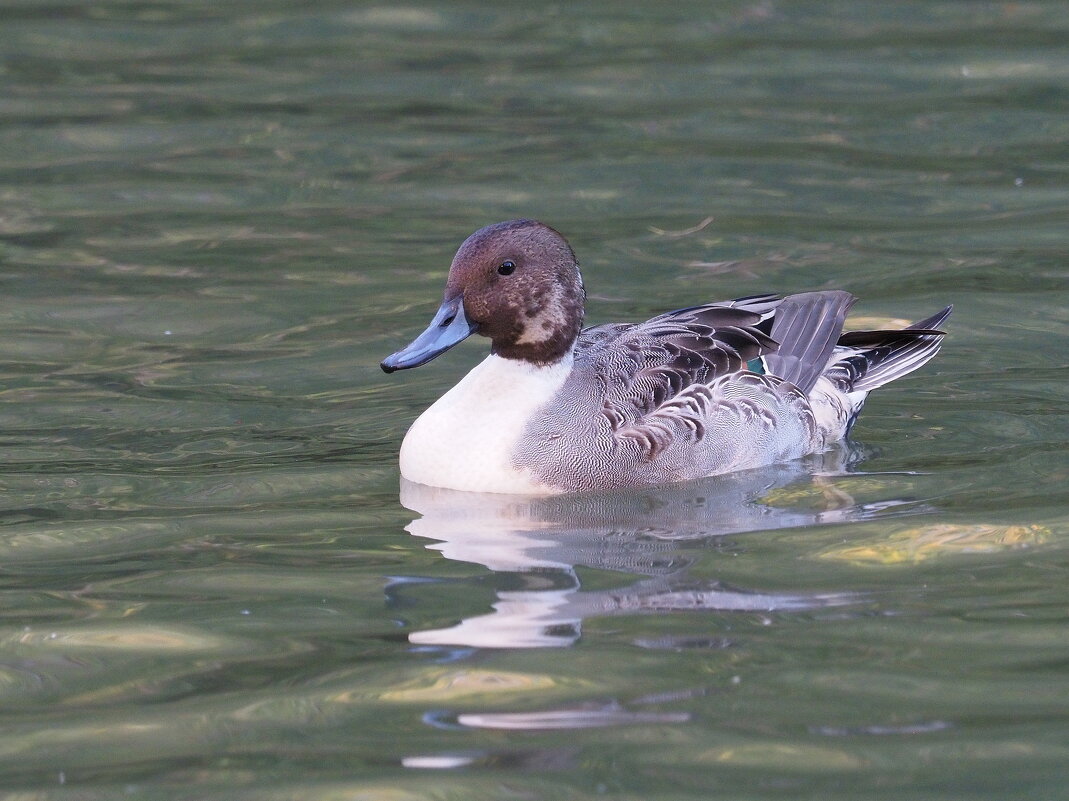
(217, 217)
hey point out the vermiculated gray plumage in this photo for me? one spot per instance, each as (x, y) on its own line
(673, 398)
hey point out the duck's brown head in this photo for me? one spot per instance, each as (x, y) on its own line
(516, 282)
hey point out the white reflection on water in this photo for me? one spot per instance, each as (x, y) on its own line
(543, 540)
(611, 715)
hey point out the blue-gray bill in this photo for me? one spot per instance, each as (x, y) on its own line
(448, 327)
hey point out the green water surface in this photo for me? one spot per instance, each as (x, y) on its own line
(215, 220)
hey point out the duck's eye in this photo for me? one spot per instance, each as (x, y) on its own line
(507, 268)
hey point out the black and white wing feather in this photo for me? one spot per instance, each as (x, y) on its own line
(656, 374)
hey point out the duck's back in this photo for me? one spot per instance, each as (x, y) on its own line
(684, 395)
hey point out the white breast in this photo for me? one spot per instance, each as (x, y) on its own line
(466, 440)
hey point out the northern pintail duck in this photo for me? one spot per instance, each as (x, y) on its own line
(704, 390)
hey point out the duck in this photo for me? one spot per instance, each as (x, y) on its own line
(558, 408)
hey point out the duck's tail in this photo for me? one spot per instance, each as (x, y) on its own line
(864, 360)
(808, 329)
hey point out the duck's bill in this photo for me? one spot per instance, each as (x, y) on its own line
(448, 327)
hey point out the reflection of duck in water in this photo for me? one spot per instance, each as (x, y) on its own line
(536, 544)
(692, 393)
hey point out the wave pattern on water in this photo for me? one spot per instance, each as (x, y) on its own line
(215, 219)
